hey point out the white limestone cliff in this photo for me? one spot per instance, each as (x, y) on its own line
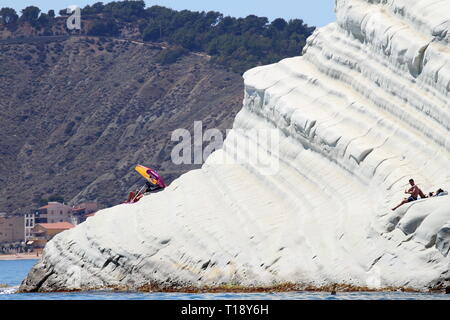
(364, 109)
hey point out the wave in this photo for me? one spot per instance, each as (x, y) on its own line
(9, 290)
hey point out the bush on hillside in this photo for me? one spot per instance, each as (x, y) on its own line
(8, 16)
(104, 28)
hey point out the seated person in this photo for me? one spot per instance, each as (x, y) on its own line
(414, 192)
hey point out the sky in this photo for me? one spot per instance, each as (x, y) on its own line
(313, 12)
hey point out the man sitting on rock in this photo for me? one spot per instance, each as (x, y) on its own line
(414, 192)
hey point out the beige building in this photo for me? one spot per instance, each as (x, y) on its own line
(11, 228)
(53, 212)
(41, 233)
(89, 207)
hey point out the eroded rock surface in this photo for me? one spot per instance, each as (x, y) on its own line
(362, 111)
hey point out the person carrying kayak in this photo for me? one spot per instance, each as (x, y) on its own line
(154, 183)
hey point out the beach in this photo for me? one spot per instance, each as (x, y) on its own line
(20, 256)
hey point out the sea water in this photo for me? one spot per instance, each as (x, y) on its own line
(13, 272)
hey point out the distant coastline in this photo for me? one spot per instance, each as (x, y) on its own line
(20, 256)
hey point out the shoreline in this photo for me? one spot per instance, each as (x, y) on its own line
(20, 256)
(281, 288)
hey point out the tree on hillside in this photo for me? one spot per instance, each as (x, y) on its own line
(152, 32)
(208, 20)
(63, 13)
(44, 20)
(96, 8)
(125, 10)
(253, 24)
(161, 13)
(298, 26)
(30, 14)
(8, 16)
(280, 24)
(185, 38)
(104, 28)
(51, 13)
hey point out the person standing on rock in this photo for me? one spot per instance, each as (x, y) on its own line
(136, 196)
(414, 192)
(154, 183)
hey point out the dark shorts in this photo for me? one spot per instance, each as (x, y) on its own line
(411, 198)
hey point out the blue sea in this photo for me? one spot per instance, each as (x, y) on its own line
(13, 272)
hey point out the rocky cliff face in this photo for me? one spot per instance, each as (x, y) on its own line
(362, 111)
(78, 114)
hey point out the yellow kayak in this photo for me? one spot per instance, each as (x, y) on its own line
(150, 175)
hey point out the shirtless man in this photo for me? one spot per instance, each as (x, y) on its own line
(414, 192)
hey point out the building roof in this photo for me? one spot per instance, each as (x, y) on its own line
(52, 204)
(57, 225)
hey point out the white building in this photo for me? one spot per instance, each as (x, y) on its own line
(29, 224)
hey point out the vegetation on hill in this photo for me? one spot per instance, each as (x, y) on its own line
(44, 201)
(237, 43)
